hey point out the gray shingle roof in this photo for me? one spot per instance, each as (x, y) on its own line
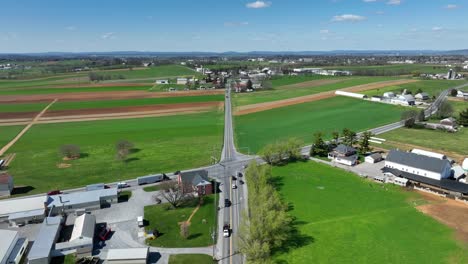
(195, 177)
(417, 161)
(344, 149)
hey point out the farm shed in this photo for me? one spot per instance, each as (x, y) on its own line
(127, 256)
(428, 153)
(90, 200)
(12, 247)
(6, 184)
(373, 158)
(81, 240)
(45, 241)
(13, 206)
(353, 95)
(27, 217)
(389, 94)
(400, 181)
(422, 96)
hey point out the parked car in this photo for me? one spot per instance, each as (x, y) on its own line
(140, 221)
(234, 178)
(121, 185)
(226, 230)
(227, 203)
(234, 186)
(54, 192)
(177, 172)
(104, 232)
(241, 181)
(239, 174)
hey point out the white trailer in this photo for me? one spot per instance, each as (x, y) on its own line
(93, 187)
(353, 95)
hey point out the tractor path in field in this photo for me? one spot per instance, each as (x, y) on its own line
(25, 129)
(248, 109)
(92, 96)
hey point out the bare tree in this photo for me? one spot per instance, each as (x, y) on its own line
(184, 229)
(123, 148)
(70, 151)
(174, 194)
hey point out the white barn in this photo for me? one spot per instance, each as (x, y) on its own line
(127, 256)
(420, 165)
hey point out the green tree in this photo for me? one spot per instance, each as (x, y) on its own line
(463, 118)
(453, 92)
(335, 136)
(421, 116)
(409, 117)
(123, 149)
(349, 137)
(445, 109)
(364, 145)
(319, 147)
(70, 151)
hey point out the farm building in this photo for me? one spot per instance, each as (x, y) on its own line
(81, 240)
(353, 95)
(462, 94)
(12, 247)
(373, 158)
(40, 252)
(428, 153)
(195, 181)
(417, 164)
(162, 82)
(6, 184)
(422, 96)
(65, 203)
(400, 181)
(182, 81)
(344, 154)
(30, 205)
(376, 98)
(27, 217)
(389, 94)
(449, 123)
(403, 99)
(126, 256)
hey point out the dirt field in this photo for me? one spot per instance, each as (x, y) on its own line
(117, 113)
(81, 85)
(89, 96)
(449, 212)
(310, 84)
(248, 109)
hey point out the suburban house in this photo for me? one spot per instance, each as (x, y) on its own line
(373, 158)
(195, 181)
(422, 96)
(344, 154)
(417, 164)
(12, 247)
(6, 184)
(162, 82)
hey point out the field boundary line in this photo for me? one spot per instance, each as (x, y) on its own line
(25, 129)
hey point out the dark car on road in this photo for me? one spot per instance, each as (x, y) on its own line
(54, 192)
(234, 178)
(227, 203)
(239, 174)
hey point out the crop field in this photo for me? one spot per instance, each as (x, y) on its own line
(421, 68)
(161, 144)
(341, 218)
(454, 144)
(154, 72)
(22, 107)
(167, 223)
(255, 130)
(284, 93)
(73, 90)
(288, 80)
(432, 87)
(8, 133)
(459, 106)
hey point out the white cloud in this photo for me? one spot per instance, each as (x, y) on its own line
(369, 1)
(235, 24)
(348, 18)
(324, 31)
(394, 2)
(71, 28)
(258, 4)
(108, 35)
(437, 28)
(451, 6)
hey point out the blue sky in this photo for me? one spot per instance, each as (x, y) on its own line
(231, 25)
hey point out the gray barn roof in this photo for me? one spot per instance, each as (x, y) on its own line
(46, 238)
(78, 198)
(417, 161)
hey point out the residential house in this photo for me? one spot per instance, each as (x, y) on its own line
(6, 184)
(344, 154)
(195, 181)
(403, 99)
(422, 96)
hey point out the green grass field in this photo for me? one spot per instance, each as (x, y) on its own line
(166, 221)
(152, 188)
(450, 142)
(303, 120)
(162, 144)
(288, 79)
(285, 93)
(154, 72)
(190, 259)
(7, 133)
(135, 102)
(409, 68)
(78, 89)
(432, 87)
(459, 106)
(23, 107)
(341, 218)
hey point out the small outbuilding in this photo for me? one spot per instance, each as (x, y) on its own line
(422, 96)
(6, 184)
(373, 158)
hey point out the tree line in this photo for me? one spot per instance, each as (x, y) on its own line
(347, 137)
(282, 152)
(269, 226)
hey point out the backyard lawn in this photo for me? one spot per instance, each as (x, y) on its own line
(190, 259)
(255, 130)
(341, 218)
(285, 93)
(167, 222)
(161, 144)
